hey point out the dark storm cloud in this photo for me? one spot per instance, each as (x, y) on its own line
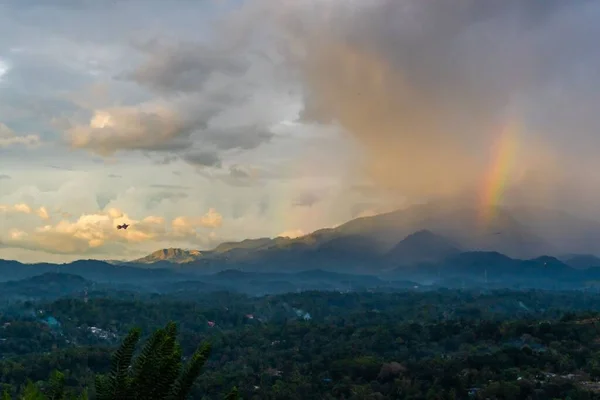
(428, 87)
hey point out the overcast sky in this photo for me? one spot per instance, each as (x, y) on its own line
(204, 121)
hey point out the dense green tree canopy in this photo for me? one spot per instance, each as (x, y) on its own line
(434, 345)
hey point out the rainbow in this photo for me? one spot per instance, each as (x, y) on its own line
(503, 154)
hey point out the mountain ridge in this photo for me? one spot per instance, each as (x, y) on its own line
(374, 236)
(478, 267)
(422, 246)
(429, 237)
(171, 254)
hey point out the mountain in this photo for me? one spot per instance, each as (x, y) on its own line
(422, 246)
(249, 244)
(371, 244)
(475, 268)
(581, 261)
(568, 233)
(497, 270)
(463, 225)
(45, 286)
(93, 270)
(459, 224)
(433, 237)
(170, 255)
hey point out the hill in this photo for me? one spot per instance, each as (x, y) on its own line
(171, 255)
(569, 234)
(93, 270)
(421, 246)
(48, 285)
(581, 261)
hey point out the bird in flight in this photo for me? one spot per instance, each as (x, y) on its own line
(124, 226)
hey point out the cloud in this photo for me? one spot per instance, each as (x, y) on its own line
(202, 159)
(398, 99)
(88, 232)
(245, 138)
(427, 89)
(165, 160)
(9, 138)
(4, 176)
(22, 208)
(195, 83)
(238, 175)
(182, 66)
(157, 198)
(43, 213)
(4, 67)
(60, 168)
(307, 199)
(292, 234)
(96, 233)
(188, 225)
(103, 199)
(238, 172)
(169, 128)
(169, 186)
(155, 128)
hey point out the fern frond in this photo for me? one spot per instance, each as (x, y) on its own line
(183, 384)
(117, 384)
(144, 371)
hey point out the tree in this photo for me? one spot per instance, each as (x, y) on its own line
(57, 386)
(32, 392)
(156, 374)
(233, 395)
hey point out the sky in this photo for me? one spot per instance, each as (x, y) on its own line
(199, 122)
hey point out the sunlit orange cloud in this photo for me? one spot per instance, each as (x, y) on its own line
(95, 231)
(22, 208)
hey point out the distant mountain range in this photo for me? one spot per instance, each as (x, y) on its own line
(426, 243)
(421, 233)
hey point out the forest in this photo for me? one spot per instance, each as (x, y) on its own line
(442, 344)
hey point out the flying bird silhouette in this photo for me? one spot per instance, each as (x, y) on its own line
(124, 226)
